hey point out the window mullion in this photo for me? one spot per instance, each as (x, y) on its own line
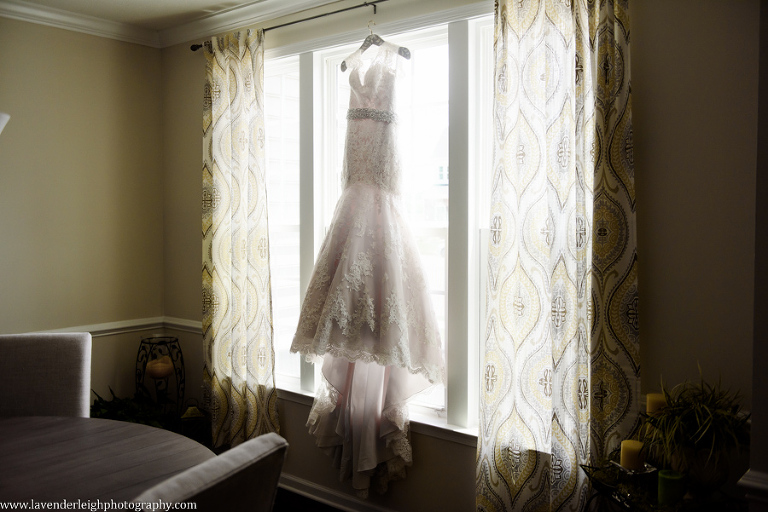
(306, 192)
(457, 332)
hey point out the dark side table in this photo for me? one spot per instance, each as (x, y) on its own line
(613, 490)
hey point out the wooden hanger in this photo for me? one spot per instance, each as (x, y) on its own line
(378, 41)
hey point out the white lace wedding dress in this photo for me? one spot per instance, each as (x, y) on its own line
(367, 311)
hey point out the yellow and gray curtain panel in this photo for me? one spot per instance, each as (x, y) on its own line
(237, 301)
(561, 366)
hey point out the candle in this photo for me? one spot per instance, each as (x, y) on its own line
(671, 487)
(632, 457)
(160, 368)
(654, 402)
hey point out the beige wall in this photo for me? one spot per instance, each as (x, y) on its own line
(182, 101)
(694, 78)
(759, 447)
(81, 196)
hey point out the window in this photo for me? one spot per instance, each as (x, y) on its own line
(309, 90)
(281, 104)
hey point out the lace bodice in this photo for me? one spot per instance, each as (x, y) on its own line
(371, 154)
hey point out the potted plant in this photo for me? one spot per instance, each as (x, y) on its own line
(701, 425)
(139, 409)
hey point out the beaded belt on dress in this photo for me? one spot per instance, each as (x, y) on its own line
(372, 113)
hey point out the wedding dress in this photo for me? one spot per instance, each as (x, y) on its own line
(367, 311)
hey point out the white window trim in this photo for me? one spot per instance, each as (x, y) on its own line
(460, 424)
(467, 12)
(308, 126)
(420, 423)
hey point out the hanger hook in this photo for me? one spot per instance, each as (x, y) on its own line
(369, 26)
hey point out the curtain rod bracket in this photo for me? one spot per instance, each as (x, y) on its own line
(197, 46)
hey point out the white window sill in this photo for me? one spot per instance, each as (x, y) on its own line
(423, 421)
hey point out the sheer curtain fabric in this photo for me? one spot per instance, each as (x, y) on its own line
(237, 303)
(560, 377)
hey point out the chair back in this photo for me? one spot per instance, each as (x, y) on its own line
(45, 374)
(243, 478)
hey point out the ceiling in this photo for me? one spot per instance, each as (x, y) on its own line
(152, 22)
(147, 14)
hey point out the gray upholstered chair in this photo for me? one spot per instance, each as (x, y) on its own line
(45, 374)
(243, 478)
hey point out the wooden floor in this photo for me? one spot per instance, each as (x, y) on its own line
(287, 501)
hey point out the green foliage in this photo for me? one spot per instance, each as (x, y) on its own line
(699, 418)
(138, 409)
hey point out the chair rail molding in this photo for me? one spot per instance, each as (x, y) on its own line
(135, 325)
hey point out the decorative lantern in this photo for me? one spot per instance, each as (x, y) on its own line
(160, 371)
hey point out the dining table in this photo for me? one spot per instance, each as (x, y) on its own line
(49, 459)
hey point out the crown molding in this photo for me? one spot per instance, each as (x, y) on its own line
(235, 19)
(59, 18)
(222, 21)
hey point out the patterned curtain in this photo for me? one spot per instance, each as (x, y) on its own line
(561, 365)
(237, 301)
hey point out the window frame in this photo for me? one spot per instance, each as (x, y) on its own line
(284, 68)
(466, 297)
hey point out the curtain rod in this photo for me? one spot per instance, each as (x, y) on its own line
(196, 47)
